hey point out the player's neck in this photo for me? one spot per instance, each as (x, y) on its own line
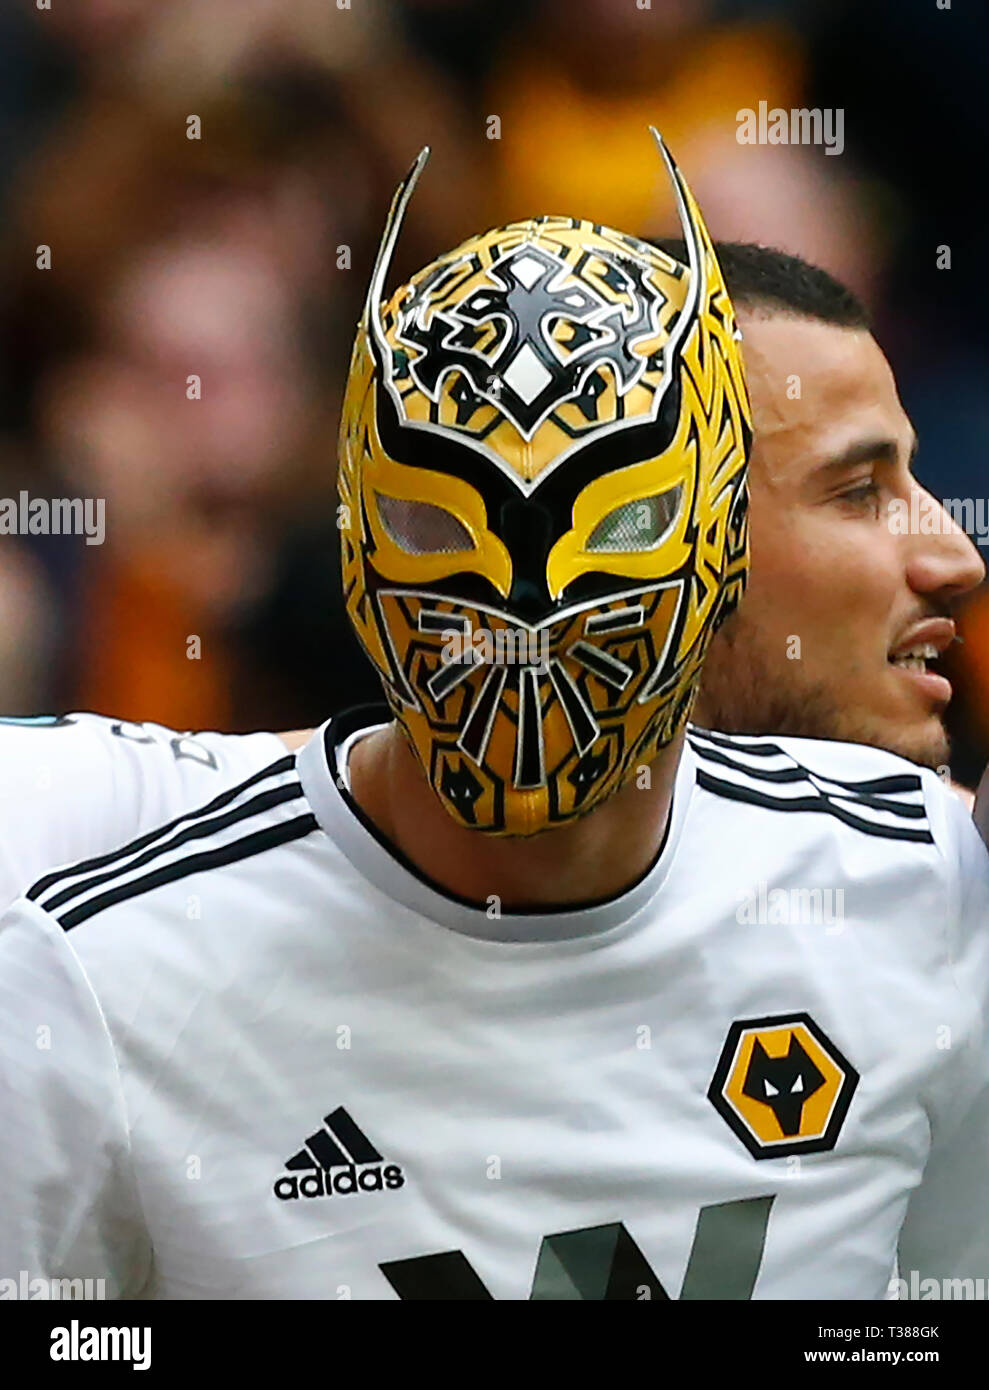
(595, 858)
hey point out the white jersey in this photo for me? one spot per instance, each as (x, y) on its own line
(81, 784)
(257, 1055)
(980, 811)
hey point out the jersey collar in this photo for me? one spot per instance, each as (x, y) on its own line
(322, 771)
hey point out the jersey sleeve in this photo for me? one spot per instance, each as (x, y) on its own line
(80, 785)
(945, 1236)
(69, 1207)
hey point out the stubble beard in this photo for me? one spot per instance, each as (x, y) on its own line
(745, 691)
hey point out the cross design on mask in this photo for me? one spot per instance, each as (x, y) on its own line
(507, 337)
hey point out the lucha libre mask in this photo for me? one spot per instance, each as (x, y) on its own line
(543, 505)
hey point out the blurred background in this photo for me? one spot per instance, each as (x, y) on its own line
(243, 257)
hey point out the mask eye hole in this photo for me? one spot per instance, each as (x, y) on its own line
(421, 528)
(640, 525)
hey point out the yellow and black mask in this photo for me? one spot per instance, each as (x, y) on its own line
(543, 505)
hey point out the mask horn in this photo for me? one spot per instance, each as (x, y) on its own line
(694, 234)
(386, 248)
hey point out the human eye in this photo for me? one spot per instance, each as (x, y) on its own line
(863, 496)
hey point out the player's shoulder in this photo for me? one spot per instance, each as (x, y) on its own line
(74, 785)
(102, 753)
(257, 813)
(818, 784)
(64, 741)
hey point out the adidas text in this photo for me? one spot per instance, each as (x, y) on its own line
(341, 1182)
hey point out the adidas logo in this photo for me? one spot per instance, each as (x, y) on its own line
(337, 1161)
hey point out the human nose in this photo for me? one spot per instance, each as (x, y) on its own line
(943, 559)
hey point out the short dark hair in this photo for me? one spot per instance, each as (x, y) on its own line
(760, 277)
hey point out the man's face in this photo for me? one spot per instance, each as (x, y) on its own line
(836, 597)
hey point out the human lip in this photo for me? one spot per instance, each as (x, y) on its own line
(922, 643)
(927, 639)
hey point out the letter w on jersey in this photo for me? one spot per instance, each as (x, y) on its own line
(604, 1263)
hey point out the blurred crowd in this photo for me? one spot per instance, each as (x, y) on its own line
(241, 258)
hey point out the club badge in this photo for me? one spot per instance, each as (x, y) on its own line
(782, 1086)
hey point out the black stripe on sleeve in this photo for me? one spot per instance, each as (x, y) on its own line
(819, 803)
(864, 793)
(198, 830)
(195, 863)
(103, 860)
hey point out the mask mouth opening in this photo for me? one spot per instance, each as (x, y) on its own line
(532, 667)
(516, 733)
